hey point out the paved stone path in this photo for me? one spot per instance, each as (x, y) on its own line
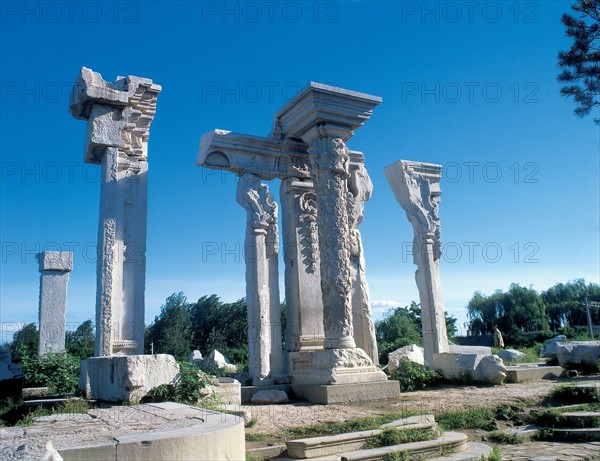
(551, 451)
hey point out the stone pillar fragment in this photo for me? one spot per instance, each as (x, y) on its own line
(417, 189)
(119, 115)
(55, 268)
(360, 189)
(262, 282)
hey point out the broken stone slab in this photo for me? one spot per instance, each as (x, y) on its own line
(219, 361)
(578, 353)
(271, 396)
(510, 354)
(410, 353)
(8, 370)
(127, 377)
(196, 357)
(485, 368)
(228, 390)
(549, 350)
(479, 350)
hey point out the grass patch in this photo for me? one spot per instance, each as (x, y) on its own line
(548, 418)
(256, 437)
(505, 439)
(575, 394)
(251, 457)
(29, 418)
(354, 425)
(495, 455)
(531, 355)
(397, 456)
(395, 436)
(469, 418)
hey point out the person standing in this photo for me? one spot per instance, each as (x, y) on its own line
(498, 340)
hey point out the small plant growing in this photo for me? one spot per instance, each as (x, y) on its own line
(575, 394)
(395, 436)
(495, 455)
(413, 376)
(255, 437)
(397, 456)
(504, 438)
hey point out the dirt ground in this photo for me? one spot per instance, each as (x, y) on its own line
(273, 419)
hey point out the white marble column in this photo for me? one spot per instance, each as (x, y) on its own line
(119, 115)
(330, 161)
(417, 189)
(55, 268)
(262, 283)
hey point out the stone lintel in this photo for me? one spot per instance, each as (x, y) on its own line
(267, 158)
(397, 175)
(319, 103)
(60, 261)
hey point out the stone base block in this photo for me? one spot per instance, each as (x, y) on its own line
(484, 368)
(229, 391)
(525, 372)
(333, 366)
(127, 377)
(249, 391)
(346, 393)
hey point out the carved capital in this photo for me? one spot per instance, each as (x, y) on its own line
(260, 206)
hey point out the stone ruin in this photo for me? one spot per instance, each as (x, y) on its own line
(331, 350)
(118, 116)
(416, 186)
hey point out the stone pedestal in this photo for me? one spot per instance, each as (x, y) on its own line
(119, 115)
(55, 268)
(125, 378)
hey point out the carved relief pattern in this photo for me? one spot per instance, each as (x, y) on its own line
(360, 189)
(424, 212)
(330, 162)
(138, 116)
(309, 237)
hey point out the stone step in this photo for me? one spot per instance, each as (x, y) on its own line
(329, 445)
(453, 442)
(475, 452)
(577, 434)
(581, 419)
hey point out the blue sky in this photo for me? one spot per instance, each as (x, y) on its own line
(470, 85)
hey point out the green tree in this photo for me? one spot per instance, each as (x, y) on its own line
(80, 343)
(520, 308)
(25, 342)
(565, 303)
(581, 63)
(171, 331)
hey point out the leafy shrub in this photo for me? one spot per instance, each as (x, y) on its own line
(190, 387)
(414, 376)
(58, 372)
(395, 436)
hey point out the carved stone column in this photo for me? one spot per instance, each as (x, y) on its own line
(417, 189)
(360, 189)
(55, 267)
(262, 284)
(330, 161)
(119, 115)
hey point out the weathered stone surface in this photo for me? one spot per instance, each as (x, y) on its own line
(578, 353)
(262, 279)
(411, 353)
(549, 349)
(270, 396)
(119, 115)
(229, 391)
(196, 357)
(51, 454)
(510, 354)
(125, 378)
(417, 189)
(484, 368)
(217, 360)
(54, 269)
(479, 350)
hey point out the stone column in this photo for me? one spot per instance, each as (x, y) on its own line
(55, 267)
(262, 283)
(304, 303)
(330, 161)
(119, 115)
(417, 189)
(360, 189)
